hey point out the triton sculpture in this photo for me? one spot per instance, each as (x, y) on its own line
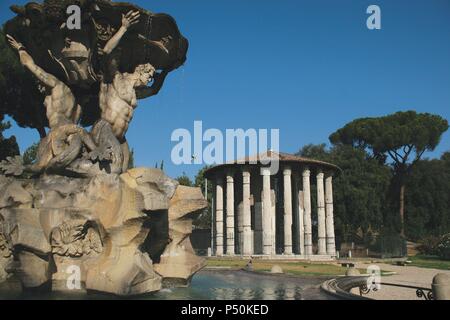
(79, 207)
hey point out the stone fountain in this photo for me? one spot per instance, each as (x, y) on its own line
(79, 218)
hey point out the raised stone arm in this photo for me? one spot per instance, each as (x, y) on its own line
(131, 18)
(25, 58)
(146, 92)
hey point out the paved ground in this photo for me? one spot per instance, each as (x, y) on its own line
(407, 275)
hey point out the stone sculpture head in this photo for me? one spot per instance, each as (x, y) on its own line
(144, 73)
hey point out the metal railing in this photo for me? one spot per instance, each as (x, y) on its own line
(341, 288)
(425, 293)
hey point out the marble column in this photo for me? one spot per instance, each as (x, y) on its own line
(213, 222)
(287, 173)
(307, 216)
(266, 215)
(219, 217)
(230, 215)
(273, 218)
(301, 223)
(321, 228)
(295, 214)
(247, 219)
(331, 246)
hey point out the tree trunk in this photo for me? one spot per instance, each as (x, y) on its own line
(402, 209)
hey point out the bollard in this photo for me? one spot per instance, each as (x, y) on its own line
(276, 269)
(249, 266)
(352, 272)
(441, 286)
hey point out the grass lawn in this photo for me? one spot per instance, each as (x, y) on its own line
(289, 267)
(429, 262)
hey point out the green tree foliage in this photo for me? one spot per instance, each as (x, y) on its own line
(402, 138)
(446, 157)
(20, 97)
(184, 180)
(428, 194)
(200, 181)
(315, 151)
(131, 161)
(161, 166)
(359, 190)
(204, 221)
(30, 155)
(8, 146)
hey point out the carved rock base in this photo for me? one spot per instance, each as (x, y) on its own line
(178, 262)
(121, 234)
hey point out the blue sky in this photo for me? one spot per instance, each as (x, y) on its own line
(304, 67)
